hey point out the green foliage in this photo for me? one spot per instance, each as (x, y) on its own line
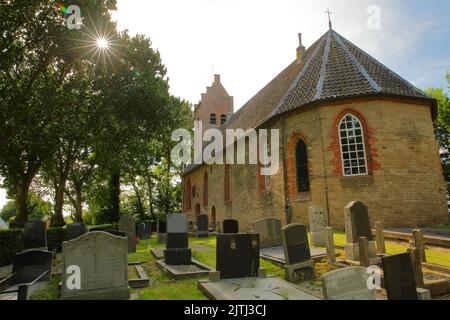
(38, 208)
(11, 243)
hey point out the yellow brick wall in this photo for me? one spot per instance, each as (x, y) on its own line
(405, 188)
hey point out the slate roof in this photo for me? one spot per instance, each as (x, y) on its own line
(332, 68)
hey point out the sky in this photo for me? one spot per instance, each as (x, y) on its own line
(248, 42)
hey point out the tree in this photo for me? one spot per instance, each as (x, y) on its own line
(442, 127)
(38, 208)
(36, 53)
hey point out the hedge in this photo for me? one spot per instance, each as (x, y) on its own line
(11, 241)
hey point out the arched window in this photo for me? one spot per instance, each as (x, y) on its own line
(353, 149)
(223, 119)
(301, 162)
(226, 183)
(213, 218)
(213, 118)
(187, 195)
(205, 189)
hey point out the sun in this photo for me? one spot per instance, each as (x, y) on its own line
(102, 43)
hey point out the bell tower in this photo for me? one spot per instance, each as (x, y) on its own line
(215, 107)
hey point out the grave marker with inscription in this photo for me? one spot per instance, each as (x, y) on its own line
(317, 225)
(347, 284)
(35, 235)
(269, 230)
(230, 226)
(399, 277)
(128, 225)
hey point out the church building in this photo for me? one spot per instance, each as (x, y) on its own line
(350, 130)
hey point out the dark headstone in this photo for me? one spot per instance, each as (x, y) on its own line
(177, 241)
(31, 264)
(230, 226)
(128, 225)
(237, 255)
(75, 230)
(154, 226)
(296, 244)
(35, 235)
(162, 225)
(399, 277)
(143, 231)
(202, 222)
(357, 222)
(177, 257)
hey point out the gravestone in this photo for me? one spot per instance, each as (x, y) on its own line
(161, 230)
(95, 267)
(75, 230)
(399, 277)
(128, 225)
(143, 231)
(357, 224)
(202, 226)
(347, 284)
(317, 226)
(31, 264)
(230, 226)
(35, 235)
(237, 255)
(299, 265)
(177, 250)
(269, 230)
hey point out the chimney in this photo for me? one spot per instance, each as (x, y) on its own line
(301, 49)
(216, 78)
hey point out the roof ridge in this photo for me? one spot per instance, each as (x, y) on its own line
(297, 78)
(323, 69)
(358, 65)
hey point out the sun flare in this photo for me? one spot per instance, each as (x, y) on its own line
(102, 43)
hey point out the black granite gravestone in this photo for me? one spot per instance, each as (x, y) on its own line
(143, 231)
(230, 226)
(296, 243)
(237, 255)
(177, 250)
(154, 227)
(202, 226)
(177, 240)
(359, 215)
(399, 277)
(31, 264)
(35, 235)
(75, 230)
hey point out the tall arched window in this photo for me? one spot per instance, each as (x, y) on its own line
(226, 183)
(213, 218)
(353, 148)
(187, 195)
(223, 119)
(301, 162)
(213, 118)
(205, 189)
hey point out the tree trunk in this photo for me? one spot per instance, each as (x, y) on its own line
(139, 200)
(21, 218)
(150, 196)
(58, 217)
(78, 205)
(114, 197)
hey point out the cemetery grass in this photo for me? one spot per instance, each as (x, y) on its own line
(434, 256)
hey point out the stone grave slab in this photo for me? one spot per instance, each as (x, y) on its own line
(254, 289)
(193, 270)
(276, 254)
(101, 260)
(202, 226)
(347, 284)
(141, 280)
(128, 225)
(269, 230)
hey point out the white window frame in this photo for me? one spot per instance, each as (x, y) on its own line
(347, 131)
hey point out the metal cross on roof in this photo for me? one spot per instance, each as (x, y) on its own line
(329, 17)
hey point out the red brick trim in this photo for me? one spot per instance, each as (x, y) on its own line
(369, 139)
